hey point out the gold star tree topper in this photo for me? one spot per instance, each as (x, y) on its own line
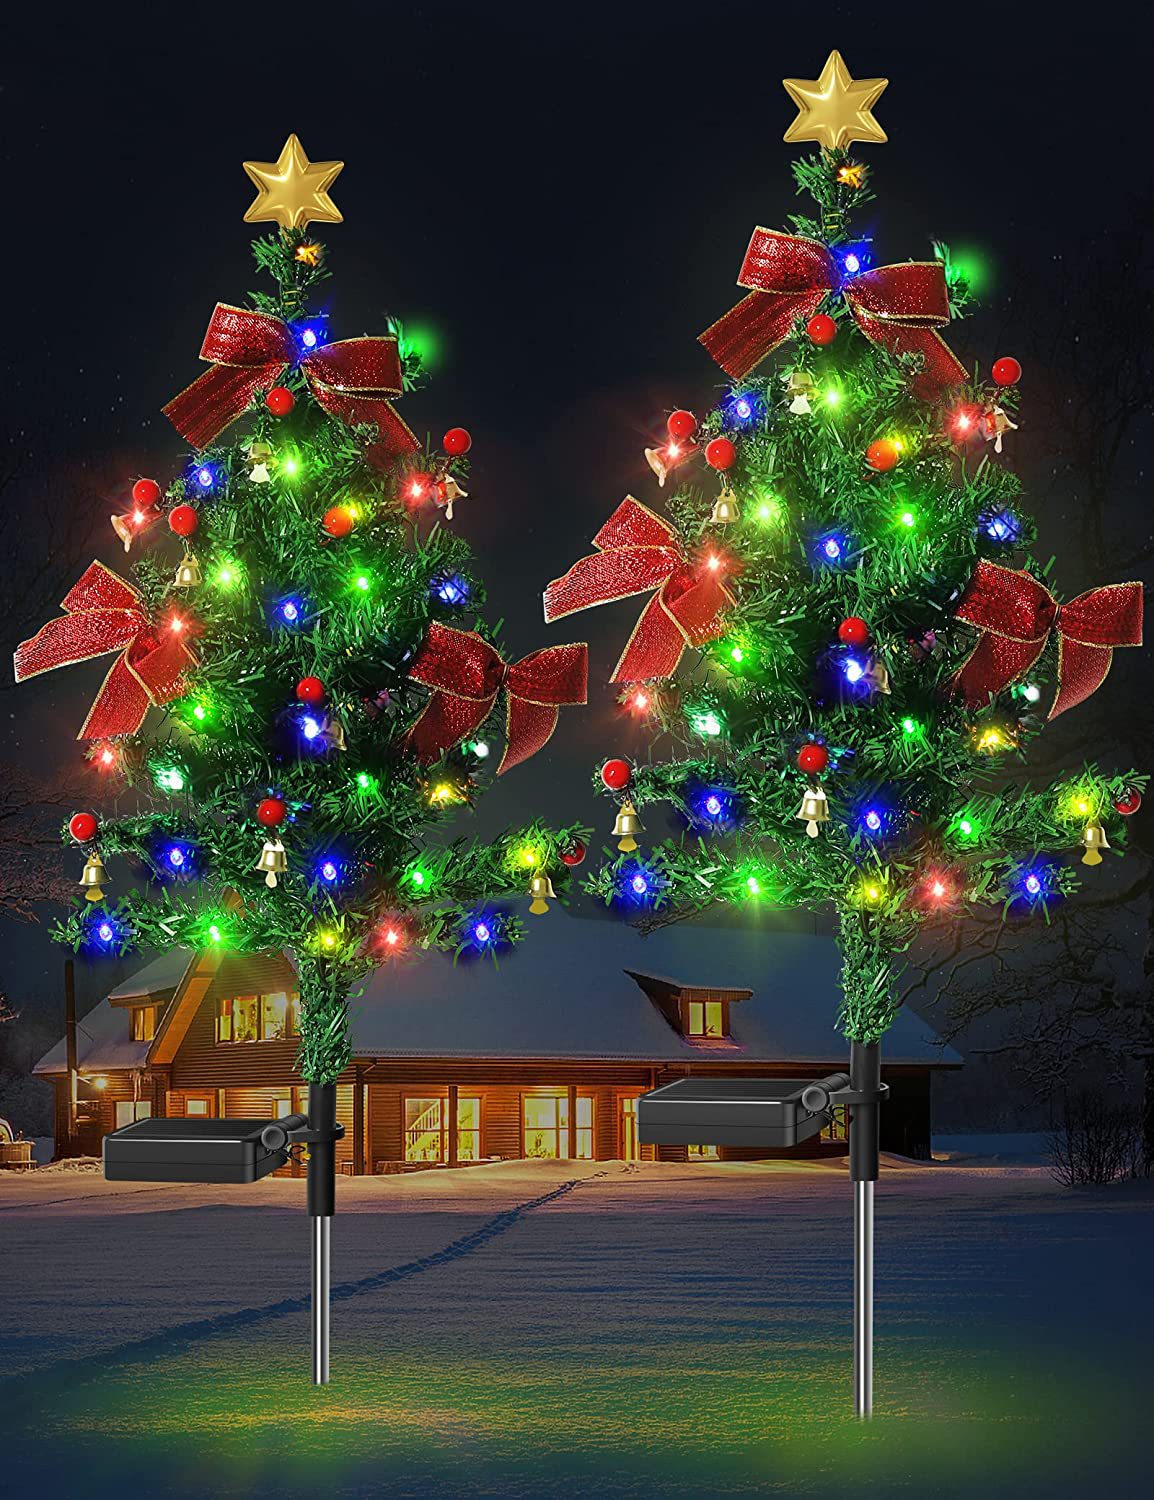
(293, 190)
(834, 108)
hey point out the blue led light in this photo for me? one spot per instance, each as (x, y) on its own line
(639, 884)
(289, 611)
(852, 263)
(1032, 884)
(309, 338)
(106, 932)
(329, 871)
(176, 857)
(451, 591)
(831, 547)
(205, 477)
(1002, 526)
(310, 727)
(714, 806)
(873, 820)
(852, 669)
(482, 933)
(743, 408)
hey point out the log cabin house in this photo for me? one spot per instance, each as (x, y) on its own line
(543, 1056)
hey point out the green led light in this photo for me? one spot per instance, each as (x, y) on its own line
(170, 779)
(214, 932)
(965, 827)
(706, 723)
(910, 726)
(908, 518)
(228, 575)
(769, 509)
(737, 654)
(480, 749)
(366, 782)
(417, 877)
(753, 885)
(200, 712)
(363, 582)
(832, 396)
(290, 465)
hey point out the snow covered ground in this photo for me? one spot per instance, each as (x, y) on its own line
(559, 1329)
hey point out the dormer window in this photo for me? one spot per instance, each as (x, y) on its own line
(142, 1023)
(705, 1019)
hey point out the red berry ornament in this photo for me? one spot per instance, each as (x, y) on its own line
(338, 521)
(1129, 802)
(82, 827)
(280, 401)
(853, 631)
(681, 424)
(457, 441)
(574, 854)
(882, 455)
(311, 690)
(271, 812)
(146, 493)
(616, 774)
(1006, 371)
(821, 329)
(720, 454)
(812, 759)
(183, 519)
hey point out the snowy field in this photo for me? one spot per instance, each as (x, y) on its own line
(561, 1329)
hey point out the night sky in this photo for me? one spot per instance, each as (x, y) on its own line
(562, 193)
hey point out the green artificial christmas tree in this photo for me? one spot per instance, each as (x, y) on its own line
(849, 647)
(304, 693)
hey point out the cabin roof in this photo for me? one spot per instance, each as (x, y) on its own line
(573, 989)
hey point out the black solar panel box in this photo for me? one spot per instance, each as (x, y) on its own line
(727, 1112)
(194, 1150)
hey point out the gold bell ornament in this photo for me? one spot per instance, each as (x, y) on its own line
(627, 824)
(799, 384)
(1093, 839)
(259, 456)
(814, 809)
(878, 677)
(448, 490)
(93, 877)
(542, 892)
(188, 574)
(273, 861)
(725, 509)
(663, 461)
(995, 423)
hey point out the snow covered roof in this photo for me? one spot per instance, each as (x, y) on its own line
(102, 1044)
(567, 992)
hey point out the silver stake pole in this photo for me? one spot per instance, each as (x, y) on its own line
(863, 1299)
(320, 1309)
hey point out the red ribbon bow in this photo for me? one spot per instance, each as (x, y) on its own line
(466, 673)
(1016, 614)
(102, 613)
(897, 307)
(638, 550)
(249, 351)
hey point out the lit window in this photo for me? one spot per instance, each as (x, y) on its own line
(257, 1018)
(427, 1129)
(198, 1104)
(142, 1021)
(706, 1019)
(128, 1110)
(545, 1126)
(702, 1153)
